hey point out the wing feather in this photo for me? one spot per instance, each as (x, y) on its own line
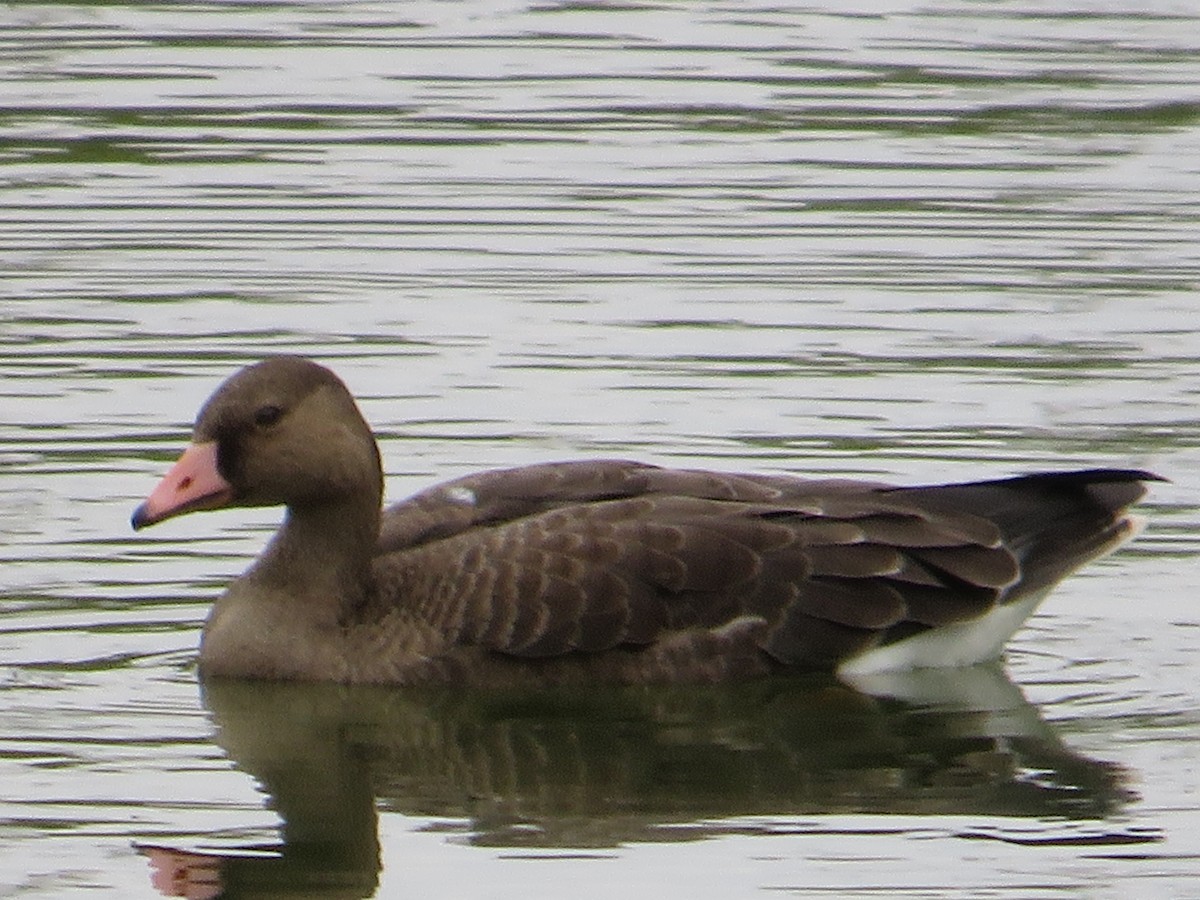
(549, 560)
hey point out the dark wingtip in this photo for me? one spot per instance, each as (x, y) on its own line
(1127, 475)
(1095, 476)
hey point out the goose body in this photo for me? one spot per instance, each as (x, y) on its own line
(606, 570)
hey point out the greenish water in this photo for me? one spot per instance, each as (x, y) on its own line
(873, 240)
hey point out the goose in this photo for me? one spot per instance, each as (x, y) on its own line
(606, 570)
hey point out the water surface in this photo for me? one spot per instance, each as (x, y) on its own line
(888, 240)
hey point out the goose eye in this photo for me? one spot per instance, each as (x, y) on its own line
(266, 416)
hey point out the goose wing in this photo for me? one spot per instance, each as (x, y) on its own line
(547, 560)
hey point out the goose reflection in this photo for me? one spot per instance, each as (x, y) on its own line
(597, 767)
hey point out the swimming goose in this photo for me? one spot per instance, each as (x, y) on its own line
(606, 570)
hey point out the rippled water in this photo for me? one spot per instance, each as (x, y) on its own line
(918, 242)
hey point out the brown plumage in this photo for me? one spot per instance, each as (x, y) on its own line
(606, 569)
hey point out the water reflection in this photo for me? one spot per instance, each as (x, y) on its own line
(602, 767)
